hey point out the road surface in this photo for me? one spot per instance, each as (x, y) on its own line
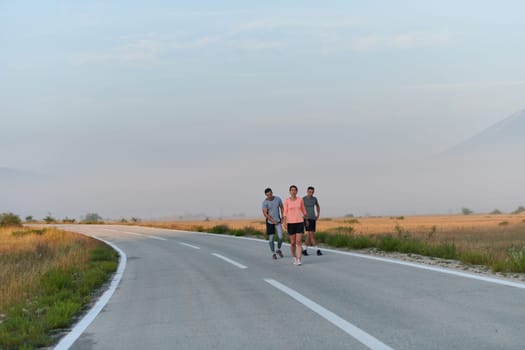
(183, 290)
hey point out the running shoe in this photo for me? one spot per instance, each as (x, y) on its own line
(274, 256)
(280, 253)
(319, 252)
(299, 262)
(295, 261)
(305, 252)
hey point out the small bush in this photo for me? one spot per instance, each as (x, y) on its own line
(504, 223)
(466, 211)
(68, 220)
(321, 237)
(237, 232)
(388, 243)
(220, 229)
(92, 218)
(339, 240)
(495, 212)
(473, 258)
(443, 250)
(519, 210)
(411, 246)
(251, 231)
(353, 221)
(516, 259)
(49, 219)
(362, 242)
(10, 219)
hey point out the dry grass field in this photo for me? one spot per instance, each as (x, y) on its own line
(47, 276)
(483, 239)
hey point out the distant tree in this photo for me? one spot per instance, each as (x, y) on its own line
(495, 212)
(29, 218)
(92, 218)
(519, 210)
(349, 215)
(466, 211)
(68, 220)
(123, 220)
(134, 219)
(10, 219)
(49, 219)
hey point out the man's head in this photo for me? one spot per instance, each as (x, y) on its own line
(310, 191)
(268, 192)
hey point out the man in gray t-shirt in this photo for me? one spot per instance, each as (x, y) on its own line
(272, 207)
(313, 209)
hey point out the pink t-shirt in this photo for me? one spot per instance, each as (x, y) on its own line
(294, 210)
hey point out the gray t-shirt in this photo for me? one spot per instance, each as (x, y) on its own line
(273, 207)
(309, 204)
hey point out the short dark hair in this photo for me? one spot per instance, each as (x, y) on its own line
(310, 188)
(268, 189)
(293, 186)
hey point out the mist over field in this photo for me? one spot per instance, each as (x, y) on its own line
(167, 110)
(350, 177)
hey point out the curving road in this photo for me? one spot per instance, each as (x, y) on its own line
(187, 290)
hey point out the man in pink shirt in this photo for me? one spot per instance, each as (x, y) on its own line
(294, 214)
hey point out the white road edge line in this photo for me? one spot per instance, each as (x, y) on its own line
(435, 269)
(357, 333)
(189, 245)
(68, 340)
(241, 266)
(136, 234)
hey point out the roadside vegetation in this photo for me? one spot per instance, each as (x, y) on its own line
(496, 241)
(48, 276)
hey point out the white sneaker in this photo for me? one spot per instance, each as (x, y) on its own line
(299, 262)
(295, 261)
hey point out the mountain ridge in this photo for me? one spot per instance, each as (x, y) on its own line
(504, 136)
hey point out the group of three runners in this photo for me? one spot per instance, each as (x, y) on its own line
(296, 213)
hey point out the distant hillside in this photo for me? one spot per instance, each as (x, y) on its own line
(506, 136)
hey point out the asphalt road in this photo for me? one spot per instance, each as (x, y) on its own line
(184, 290)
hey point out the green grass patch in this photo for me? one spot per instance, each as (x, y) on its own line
(516, 259)
(226, 230)
(59, 296)
(474, 258)
(220, 229)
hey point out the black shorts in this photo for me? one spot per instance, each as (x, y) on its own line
(310, 225)
(270, 228)
(295, 228)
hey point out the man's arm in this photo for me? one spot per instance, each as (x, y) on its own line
(268, 217)
(318, 207)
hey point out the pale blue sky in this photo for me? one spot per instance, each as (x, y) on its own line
(141, 99)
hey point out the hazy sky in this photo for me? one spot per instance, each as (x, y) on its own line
(167, 107)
